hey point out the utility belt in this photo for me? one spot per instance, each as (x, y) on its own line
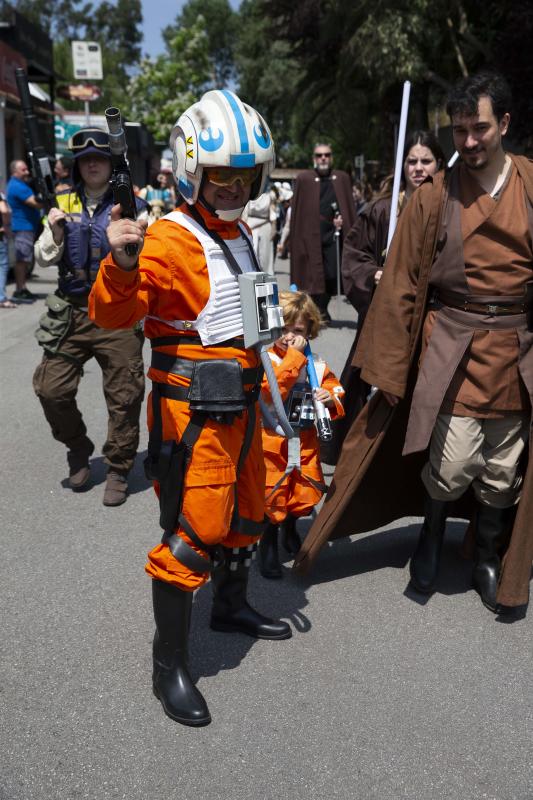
(483, 304)
(217, 391)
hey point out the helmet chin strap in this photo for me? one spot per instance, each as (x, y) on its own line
(230, 215)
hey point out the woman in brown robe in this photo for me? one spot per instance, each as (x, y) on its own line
(362, 262)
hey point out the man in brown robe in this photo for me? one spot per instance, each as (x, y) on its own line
(454, 300)
(322, 206)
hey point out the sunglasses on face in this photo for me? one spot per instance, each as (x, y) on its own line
(227, 176)
(322, 155)
(82, 139)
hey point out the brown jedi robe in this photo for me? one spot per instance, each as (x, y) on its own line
(373, 484)
(307, 267)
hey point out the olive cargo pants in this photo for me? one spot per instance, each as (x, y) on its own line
(56, 381)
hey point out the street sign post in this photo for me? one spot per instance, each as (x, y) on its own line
(87, 63)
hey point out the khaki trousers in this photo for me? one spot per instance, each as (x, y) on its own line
(484, 453)
(56, 381)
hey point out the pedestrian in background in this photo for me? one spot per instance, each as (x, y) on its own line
(363, 258)
(63, 174)
(5, 233)
(25, 223)
(321, 206)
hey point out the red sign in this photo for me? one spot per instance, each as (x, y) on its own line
(80, 91)
(9, 60)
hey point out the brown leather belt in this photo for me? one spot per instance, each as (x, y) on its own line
(493, 307)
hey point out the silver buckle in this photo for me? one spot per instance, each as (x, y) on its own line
(492, 309)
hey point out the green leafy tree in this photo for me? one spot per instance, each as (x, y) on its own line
(333, 70)
(219, 22)
(117, 28)
(165, 86)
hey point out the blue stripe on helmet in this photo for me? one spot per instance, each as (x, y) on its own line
(242, 160)
(241, 125)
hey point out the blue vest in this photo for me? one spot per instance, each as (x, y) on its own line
(85, 241)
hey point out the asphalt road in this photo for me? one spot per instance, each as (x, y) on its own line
(376, 696)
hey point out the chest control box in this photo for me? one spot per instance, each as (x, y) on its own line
(262, 314)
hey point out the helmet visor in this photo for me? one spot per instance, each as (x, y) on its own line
(89, 138)
(227, 176)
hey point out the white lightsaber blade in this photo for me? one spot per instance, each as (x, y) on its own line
(398, 169)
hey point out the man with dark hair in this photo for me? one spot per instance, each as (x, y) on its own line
(322, 206)
(74, 237)
(464, 97)
(457, 286)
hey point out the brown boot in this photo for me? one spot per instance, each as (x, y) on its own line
(78, 461)
(116, 489)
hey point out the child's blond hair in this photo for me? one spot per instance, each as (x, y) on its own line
(300, 304)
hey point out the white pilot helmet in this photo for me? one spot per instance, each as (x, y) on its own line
(220, 131)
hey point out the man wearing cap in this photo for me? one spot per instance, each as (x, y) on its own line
(74, 238)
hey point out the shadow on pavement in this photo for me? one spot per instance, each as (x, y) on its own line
(212, 651)
(137, 481)
(343, 558)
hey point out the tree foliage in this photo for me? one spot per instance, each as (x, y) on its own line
(334, 70)
(316, 69)
(166, 85)
(219, 22)
(116, 26)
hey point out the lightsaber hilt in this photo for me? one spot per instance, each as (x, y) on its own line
(323, 419)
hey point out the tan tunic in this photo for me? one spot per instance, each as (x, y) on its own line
(498, 260)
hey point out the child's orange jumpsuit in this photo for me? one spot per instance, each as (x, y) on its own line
(298, 492)
(172, 283)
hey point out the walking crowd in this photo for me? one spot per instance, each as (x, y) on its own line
(434, 401)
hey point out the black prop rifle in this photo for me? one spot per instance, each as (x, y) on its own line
(121, 181)
(40, 167)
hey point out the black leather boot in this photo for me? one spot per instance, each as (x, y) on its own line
(289, 537)
(425, 561)
(173, 685)
(231, 611)
(269, 565)
(492, 530)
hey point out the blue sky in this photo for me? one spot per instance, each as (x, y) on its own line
(156, 15)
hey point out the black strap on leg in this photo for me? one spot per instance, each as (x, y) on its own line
(236, 520)
(186, 554)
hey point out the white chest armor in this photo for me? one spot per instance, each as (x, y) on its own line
(221, 317)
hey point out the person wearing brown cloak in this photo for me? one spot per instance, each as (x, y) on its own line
(362, 265)
(321, 205)
(448, 344)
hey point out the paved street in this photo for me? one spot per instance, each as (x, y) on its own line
(377, 696)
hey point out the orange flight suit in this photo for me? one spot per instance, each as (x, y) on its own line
(296, 495)
(171, 283)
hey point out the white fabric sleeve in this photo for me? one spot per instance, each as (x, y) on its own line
(47, 252)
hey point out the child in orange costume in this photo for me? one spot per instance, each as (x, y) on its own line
(293, 493)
